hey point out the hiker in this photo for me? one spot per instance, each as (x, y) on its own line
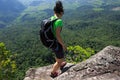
(60, 48)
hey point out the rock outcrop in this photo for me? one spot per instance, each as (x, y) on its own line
(105, 65)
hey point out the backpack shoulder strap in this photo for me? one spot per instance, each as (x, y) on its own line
(54, 20)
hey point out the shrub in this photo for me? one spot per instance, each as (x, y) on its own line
(7, 64)
(78, 54)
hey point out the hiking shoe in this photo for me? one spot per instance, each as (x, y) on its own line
(53, 75)
(62, 65)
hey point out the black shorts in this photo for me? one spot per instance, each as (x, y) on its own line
(58, 50)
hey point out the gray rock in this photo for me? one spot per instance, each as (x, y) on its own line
(105, 65)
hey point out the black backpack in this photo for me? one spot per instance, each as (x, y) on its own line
(46, 34)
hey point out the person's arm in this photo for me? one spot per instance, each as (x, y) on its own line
(59, 38)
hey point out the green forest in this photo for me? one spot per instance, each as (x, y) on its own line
(86, 31)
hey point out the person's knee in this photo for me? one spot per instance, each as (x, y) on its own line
(59, 62)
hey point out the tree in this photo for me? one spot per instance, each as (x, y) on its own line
(78, 54)
(7, 64)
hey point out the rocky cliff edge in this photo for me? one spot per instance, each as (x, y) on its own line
(105, 65)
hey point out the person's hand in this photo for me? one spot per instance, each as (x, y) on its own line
(64, 48)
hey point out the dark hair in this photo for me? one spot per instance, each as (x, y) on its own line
(58, 7)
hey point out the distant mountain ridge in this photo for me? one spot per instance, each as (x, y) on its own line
(15, 7)
(9, 10)
(10, 6)
(72, 3)
(40, 7)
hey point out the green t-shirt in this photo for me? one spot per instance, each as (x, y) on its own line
(56, 24)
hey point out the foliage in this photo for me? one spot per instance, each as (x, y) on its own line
(77, 53)
(7, 64)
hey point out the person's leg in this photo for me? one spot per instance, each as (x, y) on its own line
(59, 59)
(57, 64)
(63, 65)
